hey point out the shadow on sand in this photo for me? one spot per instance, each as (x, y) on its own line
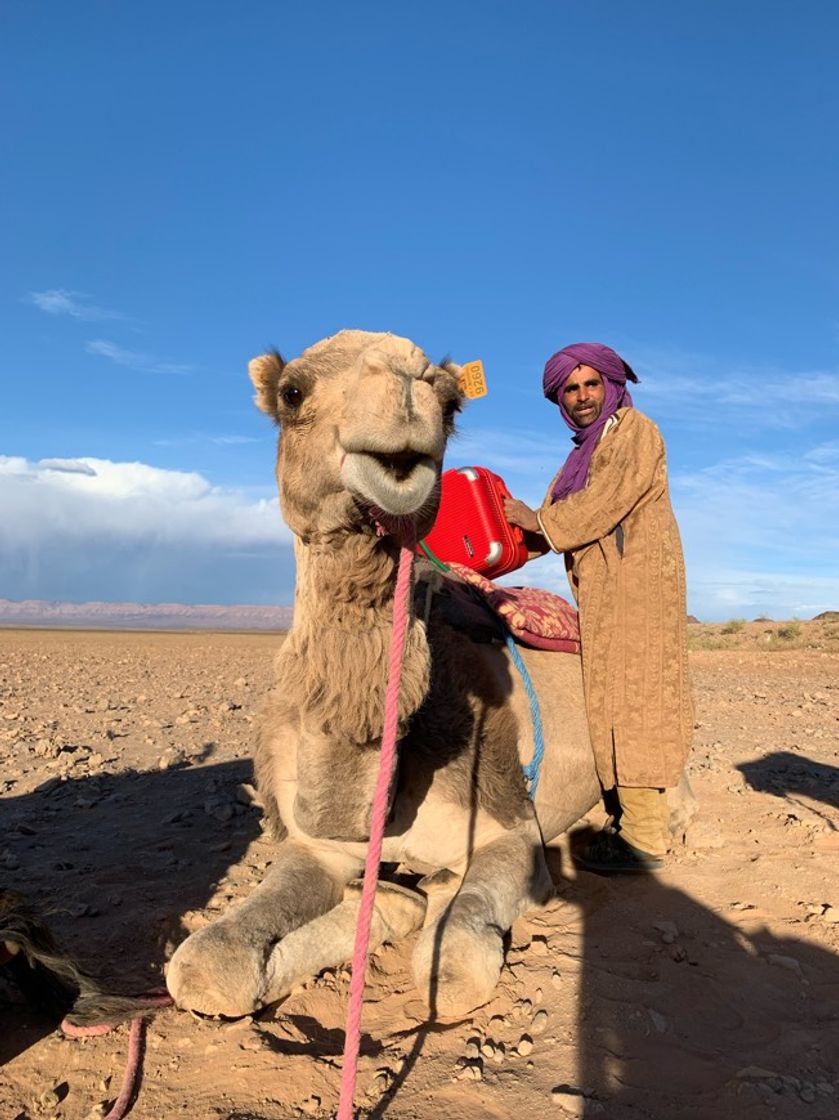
(113, 862)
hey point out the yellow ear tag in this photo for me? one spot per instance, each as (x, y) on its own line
(472, 381)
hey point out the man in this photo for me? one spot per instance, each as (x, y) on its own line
(609, 511)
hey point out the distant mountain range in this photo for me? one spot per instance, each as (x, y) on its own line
(142, 616)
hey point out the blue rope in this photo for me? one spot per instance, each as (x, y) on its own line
(531, 771)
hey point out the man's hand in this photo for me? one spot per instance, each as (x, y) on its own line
(517, 513)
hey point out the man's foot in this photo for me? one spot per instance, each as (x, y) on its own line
(608, 851)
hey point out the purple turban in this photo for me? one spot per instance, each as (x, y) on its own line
(615, 373)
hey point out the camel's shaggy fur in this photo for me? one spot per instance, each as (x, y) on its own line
(364, 420)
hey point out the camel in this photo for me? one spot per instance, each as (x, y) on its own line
(364, 419)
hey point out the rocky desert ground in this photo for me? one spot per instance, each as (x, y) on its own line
(707, 992)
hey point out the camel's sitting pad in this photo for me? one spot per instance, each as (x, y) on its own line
(534, 617)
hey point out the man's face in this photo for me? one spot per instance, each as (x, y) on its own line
(583, 395)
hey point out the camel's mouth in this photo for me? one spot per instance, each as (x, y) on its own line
(398, 482)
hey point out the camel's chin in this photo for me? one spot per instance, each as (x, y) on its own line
(400, 493)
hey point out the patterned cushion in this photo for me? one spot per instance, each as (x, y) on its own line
(534, 617)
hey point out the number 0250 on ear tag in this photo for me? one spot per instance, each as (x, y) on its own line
(472, 381)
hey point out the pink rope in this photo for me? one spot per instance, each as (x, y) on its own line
(352, 1039)
(136, 1046)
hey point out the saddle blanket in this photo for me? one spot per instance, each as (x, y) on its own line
(534, 617)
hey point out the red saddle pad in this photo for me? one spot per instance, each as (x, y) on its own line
(534, 617)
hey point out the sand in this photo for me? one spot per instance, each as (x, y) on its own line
(708, 992)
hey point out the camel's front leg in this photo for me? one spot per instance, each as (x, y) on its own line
(458, 958)
(223, 969)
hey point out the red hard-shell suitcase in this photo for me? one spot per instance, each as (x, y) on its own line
(471, 528)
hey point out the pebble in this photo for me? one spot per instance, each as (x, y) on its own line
(525, 1046)
(49, 1098)
(556, 979)
(540, 1022)
(752, 1073)
(571, 1101)
(780, 961)
(488, 1049)
(831, 915)
(539, 946)
(669, 931)
(472, 1049)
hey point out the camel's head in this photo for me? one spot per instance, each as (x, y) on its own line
(364, 419)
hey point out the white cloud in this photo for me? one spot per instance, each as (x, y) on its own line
(61, 301)
(707, 391)
(95, 529)
(761, 534)
(148, 363)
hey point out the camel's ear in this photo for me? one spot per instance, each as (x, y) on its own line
(265, 372)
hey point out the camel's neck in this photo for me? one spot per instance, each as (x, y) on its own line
(335, 658)
(340, 580)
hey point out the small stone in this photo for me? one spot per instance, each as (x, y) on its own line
(48, 1099)
(381, 1081)
(669, 931)
(831, 915)
(472, 1049)
(570, 1100)
(807, 1094)
(488, 1050)
(539, 946)
(755, 1073)
(525, 1046)
(540, 1022)
(780, 961)
(556, 979)
(538, 995)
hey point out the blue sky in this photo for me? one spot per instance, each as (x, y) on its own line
(187, 184)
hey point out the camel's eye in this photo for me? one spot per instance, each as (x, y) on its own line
(292, 396)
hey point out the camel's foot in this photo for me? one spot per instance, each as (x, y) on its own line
(457, 963)
(216, 971)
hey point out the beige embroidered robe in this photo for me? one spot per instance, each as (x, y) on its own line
(625, 565)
